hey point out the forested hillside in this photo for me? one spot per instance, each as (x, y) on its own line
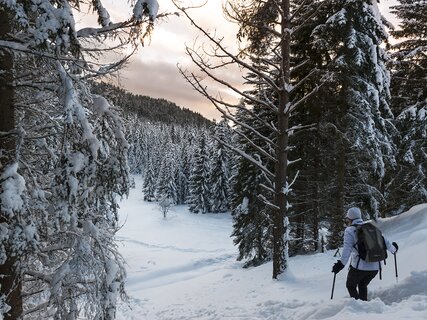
(149, 109)
(177, 151)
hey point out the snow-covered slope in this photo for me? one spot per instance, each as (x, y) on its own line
(184, 267)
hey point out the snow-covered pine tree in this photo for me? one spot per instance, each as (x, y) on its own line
(59, 225)
(220, 168)
(199, 190)
(408, 183)
(12, 185)
(137, 152)
(252, 226)
(166, 183)
(90, 173)
(150, 178)
(183, 169)
(309, 147)
(353, 35)
(268, 26)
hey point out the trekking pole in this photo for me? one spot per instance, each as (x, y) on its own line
(395, 266)
(333, 286)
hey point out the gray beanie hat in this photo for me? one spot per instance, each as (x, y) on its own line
(354, 213)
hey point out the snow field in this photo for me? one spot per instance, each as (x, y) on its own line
(184, 267)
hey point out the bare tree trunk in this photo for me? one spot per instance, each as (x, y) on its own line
(280, 243)
(316, 204)
(10, 281)
(338, 219)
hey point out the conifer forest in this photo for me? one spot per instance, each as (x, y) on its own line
(331, 114)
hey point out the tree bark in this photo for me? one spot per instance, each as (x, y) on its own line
(316, 203)
(280, 243)
(339, 211)
(10, 281)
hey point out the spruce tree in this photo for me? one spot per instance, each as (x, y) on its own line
(353, 34)
(11, 203)
(66, 165)
(150, 178)
(408, 183)
(183, 171)
(199, 189)
(166, 185)
(309, 143)
(220, 169)
(252, 220)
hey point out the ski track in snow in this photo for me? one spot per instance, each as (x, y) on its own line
(162, 247)
(184, 267)
(167, 276)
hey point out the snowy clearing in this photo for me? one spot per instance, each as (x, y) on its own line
(184, 267)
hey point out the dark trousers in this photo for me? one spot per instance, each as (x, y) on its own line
(359, 279)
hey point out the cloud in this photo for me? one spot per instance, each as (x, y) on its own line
(160, 79)
(153, 70)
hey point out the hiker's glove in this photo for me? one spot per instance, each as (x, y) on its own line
(338, 266)
(395, 245)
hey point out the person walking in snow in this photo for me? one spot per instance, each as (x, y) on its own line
(360, 272)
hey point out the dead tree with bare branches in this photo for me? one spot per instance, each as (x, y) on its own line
(266, 28)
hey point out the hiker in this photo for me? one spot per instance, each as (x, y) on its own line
(360, 272)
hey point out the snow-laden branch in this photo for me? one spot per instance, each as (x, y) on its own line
(309, 17)
(103, 15)
(288, 187)
(25, 48)
(250, 159)
(291, 162)
(144, 11)
(267, 188)
(293, 106)
(95, 32)
(253, 144)
(268, 203)
(73, 108)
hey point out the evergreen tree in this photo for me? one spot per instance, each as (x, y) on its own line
(66, 163)
(149, 186)
(183, 171)
(166, 185)
(408, 183)
(11, 202)
(251, 217)
(309, 143)
(353, 33)
(220, 171)
(268, 55)
(199, 190)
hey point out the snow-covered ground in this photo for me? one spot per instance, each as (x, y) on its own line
(184, 267)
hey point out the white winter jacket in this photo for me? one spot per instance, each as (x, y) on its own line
(349, 250)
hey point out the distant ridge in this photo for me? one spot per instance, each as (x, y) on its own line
(149, 109)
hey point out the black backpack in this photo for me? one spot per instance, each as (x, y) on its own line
(370, 243)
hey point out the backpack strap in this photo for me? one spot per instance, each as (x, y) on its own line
(381, 274)
(356, 244)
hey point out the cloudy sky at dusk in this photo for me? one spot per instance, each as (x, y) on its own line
(153, 70)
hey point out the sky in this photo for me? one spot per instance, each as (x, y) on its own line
(185, 267)
(153, 69)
